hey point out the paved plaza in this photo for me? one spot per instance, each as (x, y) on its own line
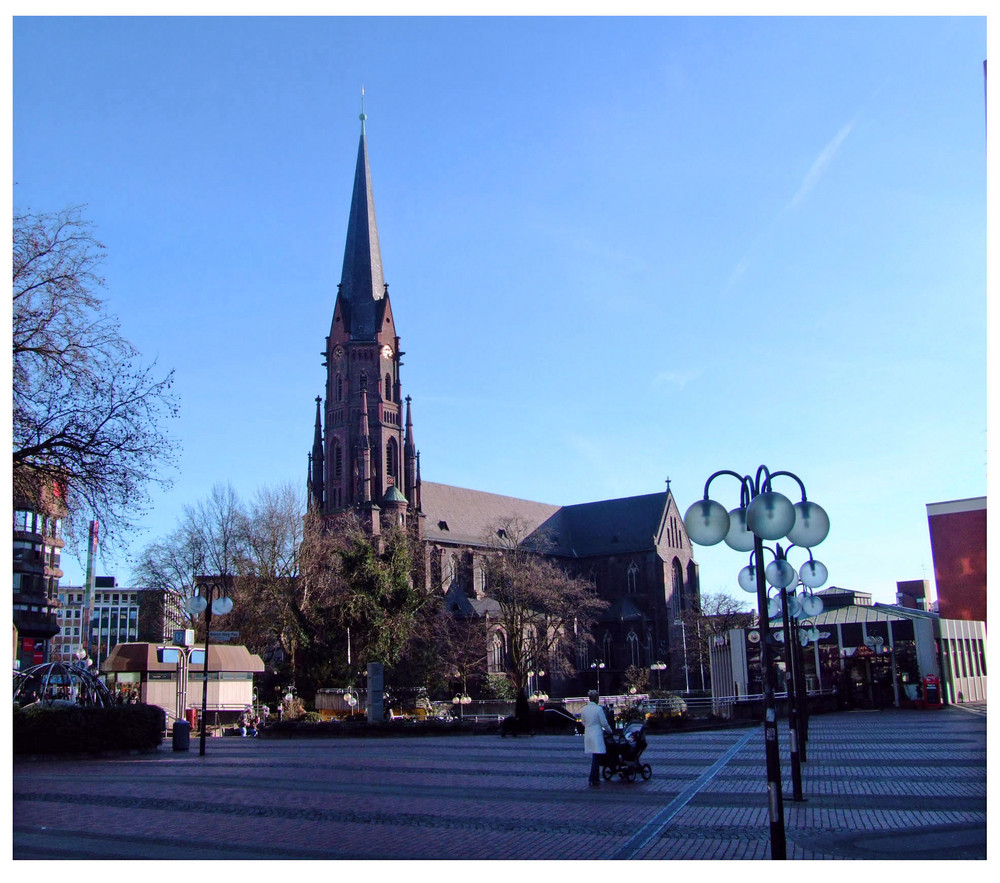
(878, 785)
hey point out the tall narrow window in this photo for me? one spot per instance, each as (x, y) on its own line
(338, 460)
(633, 577)
(496, 654)
(392, 461)
(387, 395)
(632, 648)
(676, 603)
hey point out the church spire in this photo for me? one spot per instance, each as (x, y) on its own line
(410, 460)
(362, 285)
(316, 461)
(364, 447)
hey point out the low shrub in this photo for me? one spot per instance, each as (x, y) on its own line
(84, 730)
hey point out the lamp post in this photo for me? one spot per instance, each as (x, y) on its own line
(460, 700)
(351, 699)
(658, 667)
(763, 514)
(210, 596)
(684, 648)
(536, 695)
(812, 575)
(597, 665)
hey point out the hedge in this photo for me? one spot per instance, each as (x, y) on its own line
(87, 730)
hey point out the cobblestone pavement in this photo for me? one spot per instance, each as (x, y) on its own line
(878, 785)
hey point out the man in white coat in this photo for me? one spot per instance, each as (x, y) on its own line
(595, 725)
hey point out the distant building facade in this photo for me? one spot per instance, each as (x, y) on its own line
(118, 615)
(958, 546)
(39, 511)
(364, 459)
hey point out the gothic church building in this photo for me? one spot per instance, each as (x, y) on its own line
(635, 549)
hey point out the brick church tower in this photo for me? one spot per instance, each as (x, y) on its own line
(363, 455)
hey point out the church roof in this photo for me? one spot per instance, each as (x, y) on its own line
(393, 495)
(362, 285)
(623, 610)
(461, 515)
(607, 527)
(613, 527)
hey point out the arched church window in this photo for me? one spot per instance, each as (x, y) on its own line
(676, 604)
(436, 569)
(632, 648)
(340, 387)
(496, 662)
(392, 460)
(387, 393)
(338, 460)
(633, 577)
(607, 646)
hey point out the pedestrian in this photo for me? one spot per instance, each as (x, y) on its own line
(595, 725)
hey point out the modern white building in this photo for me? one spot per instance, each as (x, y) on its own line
(872, 655)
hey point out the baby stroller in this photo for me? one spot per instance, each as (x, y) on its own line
(623, 750)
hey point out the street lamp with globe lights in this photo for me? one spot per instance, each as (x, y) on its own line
(536, 694)
(763, 514)
(210, 597)
(597, 665)
(460, 700)
(658, 667)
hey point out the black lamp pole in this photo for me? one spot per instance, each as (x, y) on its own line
(775, 804)
(763, 514)
(210, 588)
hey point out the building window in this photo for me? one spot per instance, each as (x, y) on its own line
(392, 460)
(633, 577)
(678, 589)
(496, 653)
(632, 648)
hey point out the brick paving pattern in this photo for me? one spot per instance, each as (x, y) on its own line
(878, 785)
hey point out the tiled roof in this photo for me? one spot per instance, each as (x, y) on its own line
(460, 515)
(607, 527)
(613, 527)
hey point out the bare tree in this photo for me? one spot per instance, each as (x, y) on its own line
(210, 539)
(87, 414)
(541, 607)
(716, 614)
(171, 565)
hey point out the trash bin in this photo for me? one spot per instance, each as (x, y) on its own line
(182, 735)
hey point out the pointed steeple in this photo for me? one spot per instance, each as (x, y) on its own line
(410, 457)
(362, 285)
(364, 447)
(316, 460)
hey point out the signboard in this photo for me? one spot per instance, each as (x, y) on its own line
(224, 637)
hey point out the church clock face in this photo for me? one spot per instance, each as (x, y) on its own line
(338, 352)
(387, 352)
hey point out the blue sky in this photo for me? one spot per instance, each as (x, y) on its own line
(619, 250)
